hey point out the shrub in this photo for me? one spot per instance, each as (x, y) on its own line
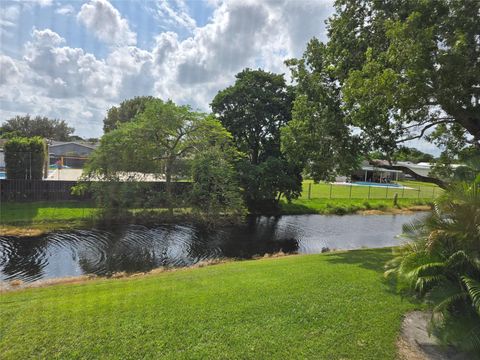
(25, 158)
(442, 265)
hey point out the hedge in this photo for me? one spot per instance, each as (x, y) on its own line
(25, 158)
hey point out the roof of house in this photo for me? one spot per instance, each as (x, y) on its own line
(80, 143)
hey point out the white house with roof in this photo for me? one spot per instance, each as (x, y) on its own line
(69, 148)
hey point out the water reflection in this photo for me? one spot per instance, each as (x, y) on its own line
(137, 248)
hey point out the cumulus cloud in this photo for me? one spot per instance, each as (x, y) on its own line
(240, 33)
(69, 82)
(65, 71)
(106, 23)
(9, 73)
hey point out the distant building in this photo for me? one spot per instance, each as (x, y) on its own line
(71, 148)
(376, 174)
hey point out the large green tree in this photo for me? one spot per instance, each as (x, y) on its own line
(125, 112)
(405, 70)
(161, 136)
(27, 126)
(254, 110)
(318, 137)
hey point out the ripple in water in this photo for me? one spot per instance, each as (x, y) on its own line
(137, 248)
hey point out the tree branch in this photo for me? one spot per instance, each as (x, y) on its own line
(412, 173)
(425, 128)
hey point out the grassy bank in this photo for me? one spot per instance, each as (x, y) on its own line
(38, 217)
(413, 190)
(351, 206)
(328, 306)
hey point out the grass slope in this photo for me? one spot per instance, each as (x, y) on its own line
(328, 306)
(348, 206)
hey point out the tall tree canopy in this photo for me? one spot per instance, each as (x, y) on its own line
(125, 112)
(254, 110)
(27, 126)
(405, 70)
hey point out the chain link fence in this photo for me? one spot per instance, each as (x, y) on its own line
(367, 192)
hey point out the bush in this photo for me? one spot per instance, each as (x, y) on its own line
(442, 266)
(25, 158)
(215, 192)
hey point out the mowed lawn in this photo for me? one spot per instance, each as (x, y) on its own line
(327, 306)
(412, 190)
(44, 211)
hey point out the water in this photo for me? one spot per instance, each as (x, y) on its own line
(137, 248)
(369, 183)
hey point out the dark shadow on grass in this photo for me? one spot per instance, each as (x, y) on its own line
(295, 209)
(371, 259)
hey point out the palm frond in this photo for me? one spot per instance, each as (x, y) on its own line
(473, 290)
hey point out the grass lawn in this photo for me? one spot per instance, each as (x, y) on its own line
(417, 190)
(341, 199)
(44, 211)
(347, 206)
(327, 306)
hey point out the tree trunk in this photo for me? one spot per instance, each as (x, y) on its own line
(168, 185)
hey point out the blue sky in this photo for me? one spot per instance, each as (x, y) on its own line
(75, 59)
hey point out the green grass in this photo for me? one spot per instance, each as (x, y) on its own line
(418, 190)
(38, 212)
(328, 306)
(346, 206)
(340, 200)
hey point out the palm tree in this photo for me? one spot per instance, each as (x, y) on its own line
(441, 264)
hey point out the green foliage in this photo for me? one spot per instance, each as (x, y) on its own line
(25, 158)
(161, 142)
(125, 112)
(26, 126)
(216, 191)
(254, 110)
(400, 70)
(266, 183)
(318, 137)
(442, 265)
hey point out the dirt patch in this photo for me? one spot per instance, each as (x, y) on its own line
(20, 231)
(415, 343)
(389, 211)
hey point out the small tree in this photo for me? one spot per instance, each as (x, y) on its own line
(216, 191)
(25, 158)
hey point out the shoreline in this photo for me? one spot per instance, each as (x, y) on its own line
(19, 285)
(42, 228)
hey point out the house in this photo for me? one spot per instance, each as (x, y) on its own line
(375, 173)
(69, 154)
(71, 148)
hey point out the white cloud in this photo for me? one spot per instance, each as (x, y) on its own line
(8, 19)
(45, 3)
(65, 10)
(241, 33)
(175, 14)
(68, 82)
(106, 23)
(9, 73)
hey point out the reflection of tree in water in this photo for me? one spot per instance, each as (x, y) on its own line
(21, 259)
(121, 250)
(260, 235)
